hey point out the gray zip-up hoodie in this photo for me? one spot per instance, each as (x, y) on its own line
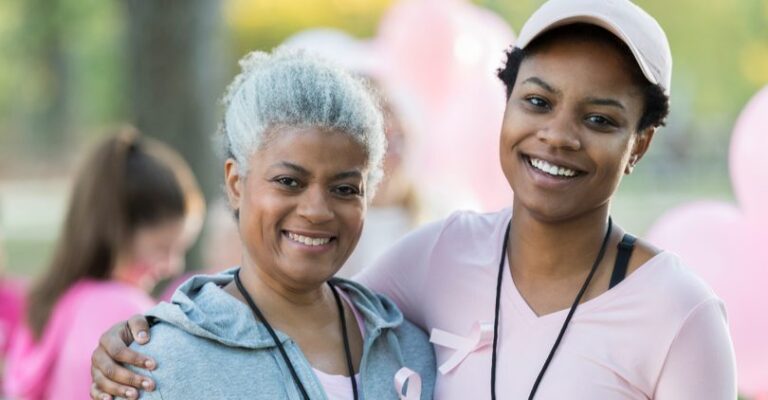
(208, 345)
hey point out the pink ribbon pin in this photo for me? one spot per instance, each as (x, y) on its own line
(414, 384)
(480, 336)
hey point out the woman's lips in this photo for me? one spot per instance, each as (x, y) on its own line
(315, 242)
(549, 174)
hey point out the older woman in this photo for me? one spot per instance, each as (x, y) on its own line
(304, 142)
(551, 299)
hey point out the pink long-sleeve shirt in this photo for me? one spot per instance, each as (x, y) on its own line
(58, 365)
(660, 334)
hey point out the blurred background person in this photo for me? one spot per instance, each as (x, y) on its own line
(221, 247)
(135, 209)
(221, 242)
(395, 209)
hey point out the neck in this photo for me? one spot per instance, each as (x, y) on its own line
(540, 249)
(273, 294)
(126, 271)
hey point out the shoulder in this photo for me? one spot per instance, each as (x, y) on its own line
(466, 222)
(108, 297)
(672, 286)
(167, 339)
(461, 231)
(176, 355)
(91, 307)
(179, 353)
(381, 312)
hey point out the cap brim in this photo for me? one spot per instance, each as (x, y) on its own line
(603, 22)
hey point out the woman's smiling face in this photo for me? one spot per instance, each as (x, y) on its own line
(569, 130)
(301, 205)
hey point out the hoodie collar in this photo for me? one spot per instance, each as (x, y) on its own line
(202, 308)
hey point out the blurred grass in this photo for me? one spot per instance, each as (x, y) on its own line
(640, 202)
(27, 257)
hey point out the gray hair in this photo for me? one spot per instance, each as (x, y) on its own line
(294, 88)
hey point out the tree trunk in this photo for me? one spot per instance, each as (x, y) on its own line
(50, 118)
(175, 79)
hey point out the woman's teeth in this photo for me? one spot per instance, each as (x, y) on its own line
(551, 169)
(308, 240)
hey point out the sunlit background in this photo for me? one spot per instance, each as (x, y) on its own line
(73, 69)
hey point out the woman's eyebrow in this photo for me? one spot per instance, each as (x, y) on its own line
(599, 101)
(348, 174)
(303, 171)
(296, 168)
(544, 85)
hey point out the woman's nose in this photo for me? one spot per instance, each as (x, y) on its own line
(560, 132)
(315, 207)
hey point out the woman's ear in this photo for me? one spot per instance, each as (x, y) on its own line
(642, 142)
(233, 182)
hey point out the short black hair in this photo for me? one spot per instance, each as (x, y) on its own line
(656, 102)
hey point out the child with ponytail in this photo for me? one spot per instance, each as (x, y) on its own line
(134, 210)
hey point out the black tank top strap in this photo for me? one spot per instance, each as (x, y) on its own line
(626, 246)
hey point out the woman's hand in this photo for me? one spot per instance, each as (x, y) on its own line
(110, 377)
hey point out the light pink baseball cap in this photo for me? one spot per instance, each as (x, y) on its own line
(631, 24)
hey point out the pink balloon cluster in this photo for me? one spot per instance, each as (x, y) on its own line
(724, 244)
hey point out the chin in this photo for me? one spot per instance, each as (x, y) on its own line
(543, 210)
(311, 275)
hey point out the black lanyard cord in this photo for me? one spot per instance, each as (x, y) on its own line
(575, 304)
(498, 306)
(347, 352)
(259, 316)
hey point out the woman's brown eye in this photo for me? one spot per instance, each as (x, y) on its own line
(600, 120)
(347, 190)
(286, 181)
(537, 102)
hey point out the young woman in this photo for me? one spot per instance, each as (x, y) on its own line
(551, 299)
(124, 230)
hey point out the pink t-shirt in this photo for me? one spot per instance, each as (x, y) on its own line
(660, 334)
(58, 366)
(11, 310)
(11, 314)
(339, 387)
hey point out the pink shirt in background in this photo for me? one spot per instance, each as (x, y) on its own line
(11, 310)
(660, 334)
(58, 365)
(11, 315)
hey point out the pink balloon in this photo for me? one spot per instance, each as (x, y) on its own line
(692, 229)
(748, 310)
(417, 39)
(443, 54)
(724, 247)
(748, 164)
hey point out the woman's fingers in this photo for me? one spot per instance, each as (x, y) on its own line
(104, 388)
(109, 375)
(138, 329)
(96, 394)
(115, 343)
(105, 367)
